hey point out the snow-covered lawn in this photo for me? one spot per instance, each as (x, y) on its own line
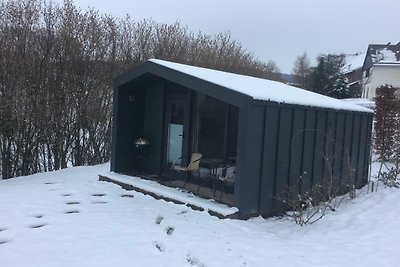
(68, 218)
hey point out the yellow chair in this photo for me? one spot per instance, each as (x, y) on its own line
(193, 165)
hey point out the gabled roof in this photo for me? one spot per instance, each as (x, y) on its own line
(255, 88)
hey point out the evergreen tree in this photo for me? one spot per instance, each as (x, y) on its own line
(340, 88)
(319, 77)
(325, 74)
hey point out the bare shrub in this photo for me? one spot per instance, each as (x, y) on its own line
(57, 64)
(389, 174)
(307, 206)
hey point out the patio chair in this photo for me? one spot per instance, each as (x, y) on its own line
(227, 176)
(193, 166)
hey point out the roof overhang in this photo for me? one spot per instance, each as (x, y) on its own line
(188, 81)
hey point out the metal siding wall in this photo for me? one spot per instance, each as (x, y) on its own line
(114, 127)
(130, 126)
(319, 148)
(297, 146)
(267, 200)
(329, 148)
(153, 124)
(368, 142)
(283, 156)
(355, 147)
(347, 145)
(339, 143)
(250, 152)
(361, 178)
(299, 140)
(308, 152)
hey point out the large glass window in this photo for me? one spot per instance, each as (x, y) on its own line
(215, 129)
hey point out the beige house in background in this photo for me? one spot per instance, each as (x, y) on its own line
(381, 67)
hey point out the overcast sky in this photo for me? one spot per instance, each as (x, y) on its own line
(275, 30)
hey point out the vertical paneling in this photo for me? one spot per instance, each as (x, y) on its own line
(319, 148)
(130, 122)
(355, 147)
(297, 146)
(308, 150)
(114, 140)
(346, 166)
(368, 148)
(361, 177)
(153, 124)
(249, 159)
(329, 149)
(338, 146)
(283, 156)
(267, 198)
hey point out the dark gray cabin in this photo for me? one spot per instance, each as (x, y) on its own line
(274, 136)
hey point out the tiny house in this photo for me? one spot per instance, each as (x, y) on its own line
(267, 134)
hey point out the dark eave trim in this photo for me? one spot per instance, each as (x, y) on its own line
(219, 92)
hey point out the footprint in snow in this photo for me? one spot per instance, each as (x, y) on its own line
(71, 211)
(99, 195)
(159, 219)
(127, 195)
(159, 246)
(2, 229)
(72, 203)
(4, 241)
(169, 230)
(37, 225)
(38, 216)
(99, 202)
(66, 195)
(194, 261)
(49, 183)
(182, 212)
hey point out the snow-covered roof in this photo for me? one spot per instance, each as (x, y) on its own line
(353, 62)
(384, 53)
(262, 89)
(364, 102)
(384, 56)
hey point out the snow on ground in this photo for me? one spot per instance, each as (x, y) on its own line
(68, 218)
(182, 196)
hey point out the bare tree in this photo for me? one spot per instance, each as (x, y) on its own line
(301, 69)
(56, 68)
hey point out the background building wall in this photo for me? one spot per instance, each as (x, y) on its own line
(380, 74)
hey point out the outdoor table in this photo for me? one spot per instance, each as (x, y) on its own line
(212, 164)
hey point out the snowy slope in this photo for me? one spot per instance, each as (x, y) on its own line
(68, 218)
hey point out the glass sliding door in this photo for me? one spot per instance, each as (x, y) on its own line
(175, 131)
